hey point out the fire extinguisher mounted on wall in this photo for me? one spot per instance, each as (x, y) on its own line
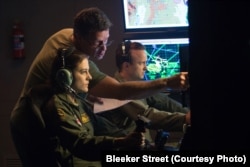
(18, 41)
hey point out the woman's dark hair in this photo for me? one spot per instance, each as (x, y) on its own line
(90, 20)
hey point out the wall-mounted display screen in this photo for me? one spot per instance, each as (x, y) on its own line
(148, 14)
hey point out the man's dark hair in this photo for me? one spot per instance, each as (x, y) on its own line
(122, 53)
(90, 20)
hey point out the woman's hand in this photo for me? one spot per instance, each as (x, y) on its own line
(132, 141)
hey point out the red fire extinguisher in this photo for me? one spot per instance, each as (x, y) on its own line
(18, 41)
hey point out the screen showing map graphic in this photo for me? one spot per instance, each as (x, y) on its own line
(163, 58)
(155, 13)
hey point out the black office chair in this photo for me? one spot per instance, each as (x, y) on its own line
(30, 138)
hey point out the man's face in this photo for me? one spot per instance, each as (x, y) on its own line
(137, 68)
(96, 44)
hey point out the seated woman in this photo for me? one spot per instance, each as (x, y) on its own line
(69, 118)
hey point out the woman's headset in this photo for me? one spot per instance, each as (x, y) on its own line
(64, 76)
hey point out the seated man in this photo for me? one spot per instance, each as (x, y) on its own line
(164, 112)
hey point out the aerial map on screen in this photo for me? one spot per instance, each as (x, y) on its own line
(155, 13)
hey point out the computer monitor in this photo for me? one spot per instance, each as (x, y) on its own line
(163, 56)
(155, 14)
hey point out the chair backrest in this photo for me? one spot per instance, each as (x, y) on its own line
(37, 147)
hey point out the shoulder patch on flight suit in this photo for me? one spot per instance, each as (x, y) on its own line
(85, 118)
(60, 112)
